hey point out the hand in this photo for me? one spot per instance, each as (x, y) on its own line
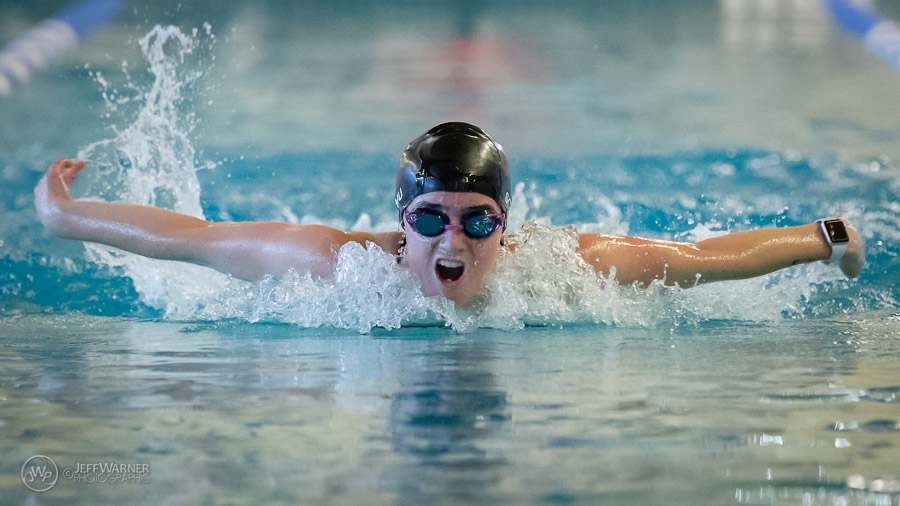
(855, 254)
(52, 191)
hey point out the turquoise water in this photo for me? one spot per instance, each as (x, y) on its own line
(677, 121)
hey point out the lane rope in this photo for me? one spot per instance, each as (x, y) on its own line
(879, 35)
(40, 46)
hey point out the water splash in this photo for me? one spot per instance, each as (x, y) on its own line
(153, 162)
(543, 282)
(368, 290)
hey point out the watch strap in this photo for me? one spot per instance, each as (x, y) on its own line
(835, 233)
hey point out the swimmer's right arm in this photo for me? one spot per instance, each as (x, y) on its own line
(246, 250)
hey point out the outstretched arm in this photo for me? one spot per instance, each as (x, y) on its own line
(733, 256)
(247, 250)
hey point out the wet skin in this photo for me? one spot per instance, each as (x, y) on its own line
(452, 264)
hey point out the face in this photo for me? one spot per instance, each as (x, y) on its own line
(452, 264)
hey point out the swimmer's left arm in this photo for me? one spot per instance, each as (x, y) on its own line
(733, 256)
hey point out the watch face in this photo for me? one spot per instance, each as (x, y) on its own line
(837, 232)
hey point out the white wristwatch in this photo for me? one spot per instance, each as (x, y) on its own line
(836, 234)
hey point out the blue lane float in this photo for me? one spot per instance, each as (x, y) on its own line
(41, 45)
(880, 36)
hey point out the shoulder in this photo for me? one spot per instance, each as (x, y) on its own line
(533, 232)
(388, 241)
(318, 237)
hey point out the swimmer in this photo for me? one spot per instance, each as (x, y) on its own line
(452, 198)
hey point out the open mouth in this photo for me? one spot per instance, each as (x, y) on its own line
(449, 270)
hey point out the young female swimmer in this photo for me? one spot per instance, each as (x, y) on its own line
(453, 193)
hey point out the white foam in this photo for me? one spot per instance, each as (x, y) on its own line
(368, 290)
(543, 282)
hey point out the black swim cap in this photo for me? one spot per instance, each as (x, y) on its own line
(453, 157)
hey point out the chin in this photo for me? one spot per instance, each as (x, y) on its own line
(452, 293)
(465, 292)
(462, 300)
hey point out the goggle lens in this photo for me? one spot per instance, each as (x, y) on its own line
(427, 224)
(479, 226)
(431, 223)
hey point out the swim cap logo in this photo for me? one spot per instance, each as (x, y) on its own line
(39, 473)
(398, 198)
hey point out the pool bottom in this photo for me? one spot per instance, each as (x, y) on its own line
(778, 413)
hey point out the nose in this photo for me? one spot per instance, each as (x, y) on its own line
(454, 237)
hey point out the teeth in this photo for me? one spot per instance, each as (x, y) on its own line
(449, 270)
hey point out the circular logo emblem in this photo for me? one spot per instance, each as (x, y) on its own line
(39, 473)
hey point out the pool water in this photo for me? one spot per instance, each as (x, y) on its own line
(671, 121)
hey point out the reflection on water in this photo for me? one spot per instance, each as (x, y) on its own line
(446, 418)
(763, 413)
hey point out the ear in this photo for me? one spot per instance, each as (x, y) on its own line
(401, 248)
